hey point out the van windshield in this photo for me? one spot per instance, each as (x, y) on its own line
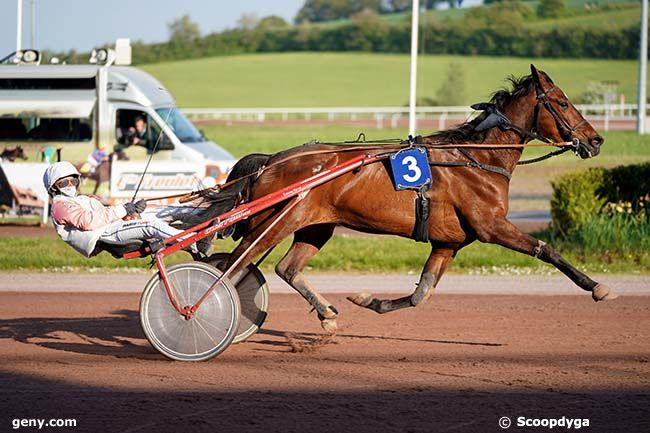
(183, 128)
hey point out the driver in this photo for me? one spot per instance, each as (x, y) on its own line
(81, 220)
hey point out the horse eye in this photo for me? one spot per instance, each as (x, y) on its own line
(564, 104)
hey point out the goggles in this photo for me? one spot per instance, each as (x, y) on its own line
(67, 181)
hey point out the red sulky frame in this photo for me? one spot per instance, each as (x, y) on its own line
(296, 192)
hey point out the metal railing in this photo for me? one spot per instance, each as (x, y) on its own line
(605, 113)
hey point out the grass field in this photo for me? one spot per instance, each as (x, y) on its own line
(363, 79)
(611, 19)
(342, 253)
(577, 15)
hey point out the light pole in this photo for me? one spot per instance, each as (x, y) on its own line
(19, 24)
(643, 68)
(414, 64)
(32, 41)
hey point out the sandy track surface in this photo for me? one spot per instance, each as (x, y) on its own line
(456, 364)
(629, 285)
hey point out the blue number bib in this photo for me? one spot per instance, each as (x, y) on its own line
(410, 169)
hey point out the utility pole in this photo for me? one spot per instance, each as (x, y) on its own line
(414, 64)
(643, 69)
(19, 24)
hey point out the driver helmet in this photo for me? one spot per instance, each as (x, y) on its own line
(57, 171)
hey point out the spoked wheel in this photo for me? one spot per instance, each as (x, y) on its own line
(253, 296)
(211, 329)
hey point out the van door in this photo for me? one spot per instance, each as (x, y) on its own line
(138, 135)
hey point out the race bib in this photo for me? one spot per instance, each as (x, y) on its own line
(410, 168)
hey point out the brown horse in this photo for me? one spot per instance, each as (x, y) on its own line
(13, 154)
(100, 175)
(467, 203)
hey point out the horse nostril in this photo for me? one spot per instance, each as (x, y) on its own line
(597, 141)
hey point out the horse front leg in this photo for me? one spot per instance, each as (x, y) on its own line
(435, 266)
(506, 234)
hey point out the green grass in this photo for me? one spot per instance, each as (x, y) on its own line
(241, 140)
(342, 253)
(610, 19)
(363, 79)
(28, 220)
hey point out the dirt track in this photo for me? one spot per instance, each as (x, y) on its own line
(458, 363)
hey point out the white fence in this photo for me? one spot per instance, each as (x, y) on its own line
(393, 115)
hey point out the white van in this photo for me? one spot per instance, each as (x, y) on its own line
(80, 108)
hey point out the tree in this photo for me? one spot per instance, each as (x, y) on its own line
(550, 8)
(368, 17)
(272, 22)
(248, 21)
(183, 29)
(328, 10)
(400, 5)
(452, 90)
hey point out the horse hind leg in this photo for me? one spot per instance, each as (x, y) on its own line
(435, 266)
(306, 244)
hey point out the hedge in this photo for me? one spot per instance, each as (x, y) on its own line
(580, 196)
(438, 38)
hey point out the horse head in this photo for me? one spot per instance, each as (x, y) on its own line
(20, 153)
(557, 119)
(13, 154)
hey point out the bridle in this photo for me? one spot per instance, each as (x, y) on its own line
(565, 129)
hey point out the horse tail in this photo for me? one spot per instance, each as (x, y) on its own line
(226, 199)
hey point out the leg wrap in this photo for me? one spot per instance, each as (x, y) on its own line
(424, 287)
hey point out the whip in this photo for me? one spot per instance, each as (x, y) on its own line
(153, 150)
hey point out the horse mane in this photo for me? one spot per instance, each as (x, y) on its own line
(466, 132)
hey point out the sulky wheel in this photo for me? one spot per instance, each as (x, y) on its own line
(253, 296)
(212, 327)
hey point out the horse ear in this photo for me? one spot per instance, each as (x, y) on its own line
(535, 74)
(479, 106)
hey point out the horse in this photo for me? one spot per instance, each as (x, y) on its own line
(467, 203)
(101, 174)
(12, 154)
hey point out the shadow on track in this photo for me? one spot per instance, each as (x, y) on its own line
(120, 335)
(407, 410)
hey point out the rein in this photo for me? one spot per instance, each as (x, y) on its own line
(360, 144)
(387, 146)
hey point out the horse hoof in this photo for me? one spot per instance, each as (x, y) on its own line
(603, 293)
(329, 325)
(362, 299)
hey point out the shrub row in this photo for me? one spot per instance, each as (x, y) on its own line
(380, 36)
(622, 192)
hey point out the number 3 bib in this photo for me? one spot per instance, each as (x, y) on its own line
(410, 169)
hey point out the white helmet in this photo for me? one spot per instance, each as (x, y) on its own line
(57, 171)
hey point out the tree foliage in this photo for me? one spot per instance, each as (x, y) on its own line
(494, 31)
(183, 30)
(329, 10)
(550, 8)
(452, 89)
